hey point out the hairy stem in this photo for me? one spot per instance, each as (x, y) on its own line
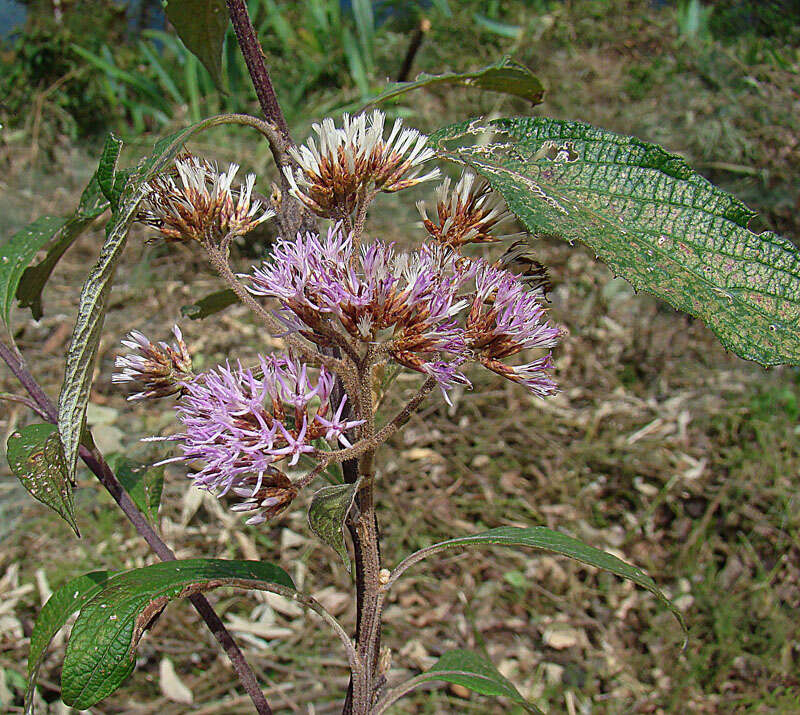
(99, 467)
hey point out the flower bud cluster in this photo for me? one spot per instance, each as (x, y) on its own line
(467, 214)
(157, 370)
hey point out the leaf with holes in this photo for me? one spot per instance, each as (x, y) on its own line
(211, 304)
(67, 600)
(651, 218)
(540, 537)
(201, 25)
(92, 305)
(101, 652)
(505, 76)
(36, 458)
(143, 482)
(467, 669)
(327, 512)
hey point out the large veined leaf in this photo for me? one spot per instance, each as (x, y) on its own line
(92, 305)
(201, 25)
(652, 219)
(467, 669)
(101, 652)
(67, 600)
(37, 459)
(92, 204)
(540, 537)
(505, 76)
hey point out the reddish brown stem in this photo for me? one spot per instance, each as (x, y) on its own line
(99, 467)
(254, 59)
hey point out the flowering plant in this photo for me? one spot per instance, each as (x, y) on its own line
(351, 312)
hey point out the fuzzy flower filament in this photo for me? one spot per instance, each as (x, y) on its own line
(196, 202)
(406, 302)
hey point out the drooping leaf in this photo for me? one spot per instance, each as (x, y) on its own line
(36, 458)
(471, 671)
(327, 512)
(17, 253)
(651, 218)
(92, 204)
(211, 304)
(92, 305)
(201, 25)
(67, 600)
(101, 652)
(505, 76)
(143, 482)
(540, 537)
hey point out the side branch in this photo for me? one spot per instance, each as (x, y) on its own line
(366, 445)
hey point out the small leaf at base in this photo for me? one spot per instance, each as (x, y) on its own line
(326, 515)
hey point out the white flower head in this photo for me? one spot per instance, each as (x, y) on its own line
(333, 169)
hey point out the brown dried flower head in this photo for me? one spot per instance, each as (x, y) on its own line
(467, 214)
(268, 495)
(195, 202)
(158, 370)
(350, 161)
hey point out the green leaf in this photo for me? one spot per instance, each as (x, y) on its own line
(473, 671)
(651, 218)
(540, 537)
(505, 76)
(17, 253)
(36, 458)
(107, 168)
(101, 652)
(212, 303)
(92, 305)
(201, 25)
(327, 512)
(56, 612)
(31, 284)
(144, 484)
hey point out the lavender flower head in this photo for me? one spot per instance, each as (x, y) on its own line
(505, 319)
(240, 423)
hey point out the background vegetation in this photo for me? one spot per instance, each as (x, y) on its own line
(661, 447)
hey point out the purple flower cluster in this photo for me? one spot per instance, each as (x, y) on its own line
(239, 423)
(409, 300)
(415, 303)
